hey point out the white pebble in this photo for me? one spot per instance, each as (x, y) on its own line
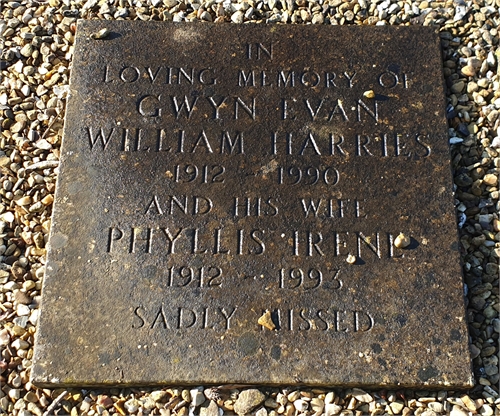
(300, 405)
(351, 259)
(361, 396)
(332, 409)
(237, 17)
(22, 310)
(20, 344)
(402, 241)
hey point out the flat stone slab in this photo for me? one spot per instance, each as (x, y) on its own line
(228, 205)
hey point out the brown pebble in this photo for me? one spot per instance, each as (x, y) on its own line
(468, 71)
(22, 297)
(102, 34)
(369, 94)
(266, 321)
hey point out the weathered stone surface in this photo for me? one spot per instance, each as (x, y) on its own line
(211, 173)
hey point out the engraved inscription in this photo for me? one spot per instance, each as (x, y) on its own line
(188, 205)
(330, 319)
(165, 140)
(309, 279)
(205, 139)
(259, 50)
(183, 276)
(168, 317)
(159, 240)
(308, 175)
(314, 137)
(308, 143)
(332, 208)
(159, 75)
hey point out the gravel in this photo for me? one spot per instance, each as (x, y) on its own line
(37, 48)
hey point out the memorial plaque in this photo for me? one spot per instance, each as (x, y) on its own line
(232, 207)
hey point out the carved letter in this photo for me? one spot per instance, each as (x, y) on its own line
(250, 111)
(182, 205)
(285, 112)
(134, 238)
(363, 322)
(226, 140)
(217, 247)
(399, 147)
(338, 109)
(373, 114)
(336, 144)
(106, 73)
(359, 146)
(340, 244)
(310, 139)
(216, 106)
(339, 321)
(258, 49)
(246, 80)
(227, 316)
(161, 318)
(290, 77)
(188, 77)
(181, 318)
(329, 77)
(130, 74)
(315, 245)
(205, 208)
(390, 246)
(388, 79)
(202, 141)
(257, 239)
(151, 76)
(184, 105)
(315, 112)
(131, 143)
(115, 234)
(148, 106)
(313, 81)
(367, 241)
(154, 203)
(100, 137)
(322, 319)
(311, 207)
(136, 313)
(212, 80)
(350, 78)
(195, 249)
(427, 148)
(307, 327)
(274, 141)
(359, 209)
(160, 137)
(171, 238)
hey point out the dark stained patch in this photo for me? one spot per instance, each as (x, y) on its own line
(427, 373)
(248, 344)
(276, 352)
(436, 340)
(401, 320)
